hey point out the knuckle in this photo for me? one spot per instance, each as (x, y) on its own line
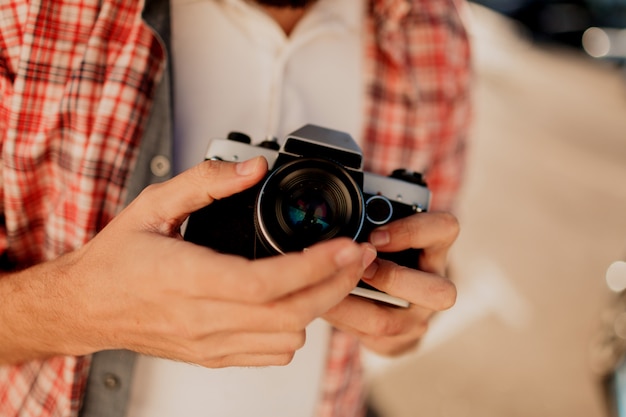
(293, 342)
(308, 270)
(174, 323)
(297, 341)
(150, 193)
(419, 329)
(284, 359)
(396, 345)
(445, 294)
(208, 356)
(385, 326)
(256, 290)
(287, 322)
(218, 362)
(189, 331)
(308, 265)
(195, 352)
(451, 224)
(208, 169)
(413, 227)
(395, 351)
(292, 321)
(393, 274)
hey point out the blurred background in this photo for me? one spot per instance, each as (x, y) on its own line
(543, 216)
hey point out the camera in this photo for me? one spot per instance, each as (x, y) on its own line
(315, 190)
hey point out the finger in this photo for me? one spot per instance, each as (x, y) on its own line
(385, 330)
(250, 360)
(300, 309)
(175, 199)
(393, 346)
(422, 230)
(421, 288)
(363, 316)
(325, 260)
(244, 359)
(234, 278)
(434, 233)
(219, 345)
(257, 343)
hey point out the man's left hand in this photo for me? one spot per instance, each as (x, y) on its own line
(391, 330)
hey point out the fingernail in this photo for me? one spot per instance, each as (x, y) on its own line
(370, 271)
(348, 255)
(380, 237)
(248, 167)
(368, 256)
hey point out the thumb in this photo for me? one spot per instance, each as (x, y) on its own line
(199, 186)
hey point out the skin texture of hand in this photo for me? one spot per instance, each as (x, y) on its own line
(390, 330)
(138, 285)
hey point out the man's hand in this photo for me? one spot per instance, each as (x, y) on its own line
(390, 330)
(138, 285)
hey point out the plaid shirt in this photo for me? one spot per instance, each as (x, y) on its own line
(76, 82)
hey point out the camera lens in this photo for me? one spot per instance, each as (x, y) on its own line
(307, 211)
(307, 201)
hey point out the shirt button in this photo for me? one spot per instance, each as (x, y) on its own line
(111, 381)
(160, 166)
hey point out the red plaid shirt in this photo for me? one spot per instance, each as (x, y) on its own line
(76, 82)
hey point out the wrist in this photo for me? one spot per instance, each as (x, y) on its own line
(37, 314)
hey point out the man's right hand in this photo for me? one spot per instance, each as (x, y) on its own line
(138, 285)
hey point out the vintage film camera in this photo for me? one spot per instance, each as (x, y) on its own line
(315, 190)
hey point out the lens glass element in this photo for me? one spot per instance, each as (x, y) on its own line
(307, 201)
(307, 213)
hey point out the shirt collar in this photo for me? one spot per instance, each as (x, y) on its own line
(338, 11)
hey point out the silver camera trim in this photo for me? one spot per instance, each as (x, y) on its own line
(380, 296)
(231, 151)
(397, 190)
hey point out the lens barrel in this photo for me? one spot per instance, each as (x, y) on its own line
(306, 201)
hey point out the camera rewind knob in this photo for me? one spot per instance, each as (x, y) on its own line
(409, 176)
(239, 137)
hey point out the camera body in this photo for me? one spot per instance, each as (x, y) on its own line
(315, 190)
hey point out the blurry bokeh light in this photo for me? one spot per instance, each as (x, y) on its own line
(616, 276)
(596, 42)
(605, 42)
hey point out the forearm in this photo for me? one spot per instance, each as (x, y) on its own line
(35, 314)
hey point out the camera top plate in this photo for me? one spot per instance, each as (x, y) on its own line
(233, 151)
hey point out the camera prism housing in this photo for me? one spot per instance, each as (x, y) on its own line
(315, 190)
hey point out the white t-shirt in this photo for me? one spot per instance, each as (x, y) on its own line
(235, 69)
